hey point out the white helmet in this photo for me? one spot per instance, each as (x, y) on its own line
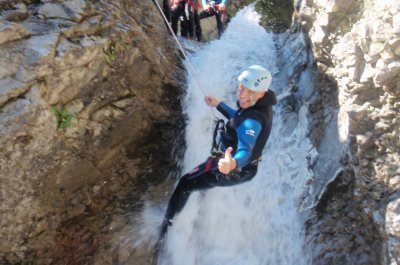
(256, 78)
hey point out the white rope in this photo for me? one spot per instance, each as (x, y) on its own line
(184, 54)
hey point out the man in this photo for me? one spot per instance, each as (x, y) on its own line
(179, 10)
(185, 11)
(215, 8)
(194, 20)
(240, 145)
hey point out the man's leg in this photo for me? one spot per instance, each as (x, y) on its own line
(220, 24)
(205, 176)
(197, 25)
(190, 21)
(218, 17)
(205, 14)
(167, 10)
(175, 14)
(185, 31)
(202, 177)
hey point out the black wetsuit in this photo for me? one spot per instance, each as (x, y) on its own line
(207, 175)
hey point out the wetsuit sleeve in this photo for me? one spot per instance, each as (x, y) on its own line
(247, 133)
(227, 111)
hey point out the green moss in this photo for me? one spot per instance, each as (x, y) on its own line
(111, 54)
(63, 116)
(276, 15)
(44, 80)
(114, 50)
(76, 39)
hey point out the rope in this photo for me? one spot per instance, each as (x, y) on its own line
(183, 53)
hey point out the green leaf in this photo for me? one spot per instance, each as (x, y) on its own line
(63, 117)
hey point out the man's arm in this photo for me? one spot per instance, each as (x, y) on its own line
(212, 101)
(227, 111)
(247, 133)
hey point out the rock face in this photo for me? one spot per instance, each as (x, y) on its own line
(356, 51)
(89, 105)
(89, 112)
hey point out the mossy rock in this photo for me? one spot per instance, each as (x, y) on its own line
(276, 15)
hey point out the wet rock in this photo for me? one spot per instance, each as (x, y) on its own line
(363, 56)
(18, 13)
(70, 10)
(10, 89)
(37, 54)
(120, 82)
(10, 31)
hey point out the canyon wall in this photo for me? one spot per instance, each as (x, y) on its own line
(90, 119)
(356, 53)
(89, 112)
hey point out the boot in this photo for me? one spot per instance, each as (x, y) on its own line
(164, 227)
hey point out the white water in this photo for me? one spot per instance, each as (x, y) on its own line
(257, 222)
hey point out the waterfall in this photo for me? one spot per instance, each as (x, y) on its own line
(258, 222)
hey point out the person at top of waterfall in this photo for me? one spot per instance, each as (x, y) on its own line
(194, 25)
(215, 8)
(167, 10)
(185, 11)
(234, 158)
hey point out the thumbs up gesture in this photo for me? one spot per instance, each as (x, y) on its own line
(227, 163)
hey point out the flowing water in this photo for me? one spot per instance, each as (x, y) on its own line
(258, 222)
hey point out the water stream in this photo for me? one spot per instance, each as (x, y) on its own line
(258, 222)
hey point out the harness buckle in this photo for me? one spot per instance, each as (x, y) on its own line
(216, 151)
(255, 161)
(216, 146)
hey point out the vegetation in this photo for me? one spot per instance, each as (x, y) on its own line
(111, 54)
(43, 81)
(63, 116)
(115, 49)
(76, 39)
(276, 15)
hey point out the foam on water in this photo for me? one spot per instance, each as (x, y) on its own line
(257, 222)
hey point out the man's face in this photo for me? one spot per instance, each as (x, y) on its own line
(247, 97)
